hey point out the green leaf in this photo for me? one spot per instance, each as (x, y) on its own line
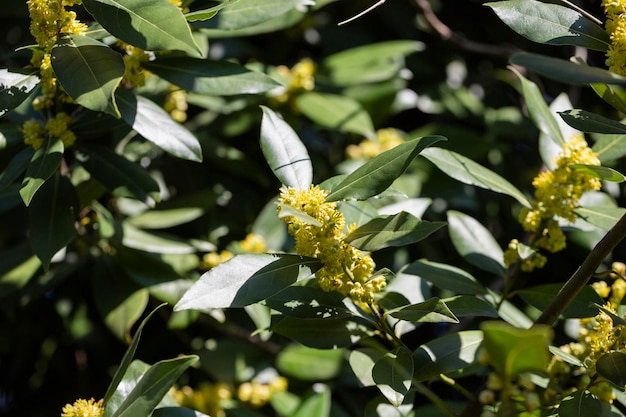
(470, 306)
(446, 277)
(600, 216)
(153, 386)
(321, 333)
(583, 404)
(275, 24)
(551, 24)
(118, 174)
(396, 230)
(205, 14)
(15, 87)
(513, 351)
(309, 364)
(590, 122)
(221, 78)
(284, 152)
(16, 167)
(600, 172)
(155, 242)
(17, 266)
(362, 362)
(332, 111)
(155, 125)
(101, 69)
(609, 147)
(177, 412)
(166, 218)
(147, 24)
(475, 243)
(393, 374)
(45, 162)
(433, 310)
(469, 172)
(246, 279)
(538, 109)
(288, 211)
(613, 95)
(376, 175)
(567, 357)
(452, 352)
(612, 366)
(243, 14)
(309, 303)
(541, 296)
(51, 214)
(317, 403)
(565, 71)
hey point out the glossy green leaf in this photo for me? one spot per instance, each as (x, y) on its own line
(583, 404)
(475, 243)
(246, 279)
(600, 216)
(609, 147)
(242, 14)
(446, 277)
(393, 374)
(541, 296)
(551, 24)
(45, 162)
(470, 306)
(205, 14)
(275, 24)
(539, 111)
(452, 352)
(513, 351)
(216, 78)
(101, 69)
(309, 364)
(165, 218)
(153, 386)
(566, 357)
(309, 303)
(612, 366)
(16, 167)
(336, 112)
(565, 71)
(147, 24)
(317, 403)
(600, 172)
(155, 125)
(321, 333)
(593, 123)
(433, 310)
(288, 211)
(51, 214)
(177, 412)
(118, 174)
(396, 230)
(155, 242)
(15, 87)
(284, 151)
(376, 175)
(469, 172)
(362, 362)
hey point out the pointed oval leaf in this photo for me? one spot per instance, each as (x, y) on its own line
(467, 171)
(586, 121)
(147, 24)
(600, 216)
(284, 151)
(583, 404)
(470, 306)
(396, 230)
(215, 78)
(135, 238)
(288, 211)
(551, 24)
(446, 277)
(475, 243)
(246, 279)
(155, 125)
(612, 366)
(376, 175)
(541, 296)
(362, 362)
(430, 311)
(600, 172)
(15, 87)
(609, 147)
(310, 364)
(341, 113)
(393, 374)
(100, 68)
(309, 303)
(243, 14)
(45, 162)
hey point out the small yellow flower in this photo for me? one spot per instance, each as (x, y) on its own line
(33, 133)
(300, 78)
(385, 139)
(615, 11)
(83, 408)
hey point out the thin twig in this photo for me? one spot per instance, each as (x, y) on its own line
(369, 9)
(580, 278)
(582, 11)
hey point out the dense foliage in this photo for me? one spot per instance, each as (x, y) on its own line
(312, 208)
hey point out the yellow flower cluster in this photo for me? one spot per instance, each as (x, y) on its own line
(206, 398)
(134, 73)
(176, 105)
(252, 243)
(615, 11)
(557, 193)
(257, 393)
(368, 148)
(83, 408)
(56, 127)
(344, 268)
(300, 78)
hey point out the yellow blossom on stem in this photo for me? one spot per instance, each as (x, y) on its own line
(33, 133)
(615, 11)
(385, 139)
(134, 75)
(299, 78)
(83, 408)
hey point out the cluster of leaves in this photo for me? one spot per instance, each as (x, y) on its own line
(126, 214)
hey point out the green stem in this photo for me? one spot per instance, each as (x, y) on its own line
(582, 11)
(580, 278)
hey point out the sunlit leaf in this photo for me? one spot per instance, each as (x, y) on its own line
(600, 172)
(44, 163)
(362, 362)
(393, 374)
(206, 14)
(309, 364)
(452, 352)
(155, 242)
(15, 87)
(433, 310)
(614, 95)
(603, 217)
(309, 303)
(242, 14)
(288, 211)
(316, 403)
(609, 147)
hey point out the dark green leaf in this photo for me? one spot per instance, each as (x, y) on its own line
(617, 320)
(15, 87)
(541, 296)
(206, 14)
(17, 266)
(243, 14)
(446, 277)
(393, 374)
(452, 352)
(154, 124)
(16, 167)
(376, 175)
(430, 311)
(177, 412)
(612, 366)
(551, 24)
(600, 172)
(316, 403)
(45, 162)
(396, 230)
(51, 214)
(284, 152)
(609, 147)
(475, 243)
(215, 78)
(590, 122)
(321, 333)
(309, 364)
(336, 112)
(470, 306)
(147, 24)
(469, 172)
(246, 279)
(100, 68)
(583, 404)
(118, 174)
(309, 303)
(146, 269)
